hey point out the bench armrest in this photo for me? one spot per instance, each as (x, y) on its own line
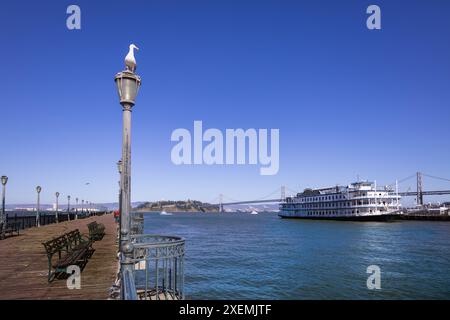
(84, 238)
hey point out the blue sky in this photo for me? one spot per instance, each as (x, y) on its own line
(348, 101)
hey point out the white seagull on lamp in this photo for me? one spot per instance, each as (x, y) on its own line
(130, 61)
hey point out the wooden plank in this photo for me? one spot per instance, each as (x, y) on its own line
(24, 267)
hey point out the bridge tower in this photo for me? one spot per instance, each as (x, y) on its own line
(220, 202)
(419, 189)
(283, 193)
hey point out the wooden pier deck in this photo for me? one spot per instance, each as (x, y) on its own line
(24, 266)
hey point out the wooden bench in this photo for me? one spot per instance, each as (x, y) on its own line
(69, 249)
(96, 231)
(10, 229)
(77, 240)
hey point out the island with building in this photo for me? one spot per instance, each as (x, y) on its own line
(177, 206)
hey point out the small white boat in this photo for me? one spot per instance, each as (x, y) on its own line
(163, 213)
(254, 212)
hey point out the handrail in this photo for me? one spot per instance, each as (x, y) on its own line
(155, 240)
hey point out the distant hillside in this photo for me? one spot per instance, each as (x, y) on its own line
(177, 206)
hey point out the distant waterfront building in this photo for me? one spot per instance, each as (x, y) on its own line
(24, 209)
(53, 208)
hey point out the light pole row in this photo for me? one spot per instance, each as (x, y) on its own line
(88, 208)
(57, 194)
(4, 180)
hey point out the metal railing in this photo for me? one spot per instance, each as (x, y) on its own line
(137, 223)
(158, 272)
(129, 286)
(25, 220)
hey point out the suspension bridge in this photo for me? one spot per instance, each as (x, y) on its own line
(419, 193)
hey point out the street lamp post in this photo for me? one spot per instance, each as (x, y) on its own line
(56, 214)
(68, 208)
(119, 168)
(76, 209)
(82, 206)
(128, 84)
(3, 217)
(38, 218)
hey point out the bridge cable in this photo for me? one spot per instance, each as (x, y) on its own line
(261, 198)
(292, 190)
(434, 177)
(267, 196)
(228, 198)
(402, 180)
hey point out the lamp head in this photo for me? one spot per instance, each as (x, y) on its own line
(128, 85)
(57, 194)
(38, 189)
(4, 180)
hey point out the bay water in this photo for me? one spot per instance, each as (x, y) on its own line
(244, 256)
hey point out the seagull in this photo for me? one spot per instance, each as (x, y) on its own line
(130, 61)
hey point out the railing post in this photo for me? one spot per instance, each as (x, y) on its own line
(128, 290)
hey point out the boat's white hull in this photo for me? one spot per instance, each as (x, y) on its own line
(372, 217)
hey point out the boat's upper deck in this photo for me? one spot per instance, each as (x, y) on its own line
(354, 191)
